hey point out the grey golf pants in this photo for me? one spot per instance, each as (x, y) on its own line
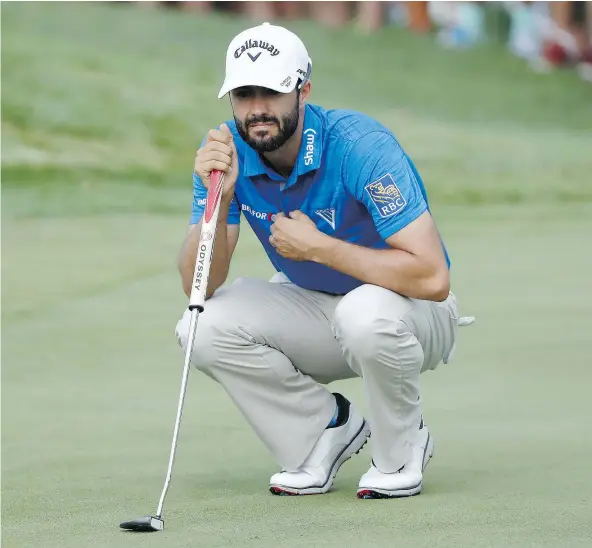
(273, 346)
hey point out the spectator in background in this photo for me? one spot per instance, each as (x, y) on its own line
(570, 39)
(547, 34)
(460, 24)
(374, 15)
(552, 35)
(369, 15)
(269, 11)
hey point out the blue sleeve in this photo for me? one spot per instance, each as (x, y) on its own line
(199, 203)
(378, 174)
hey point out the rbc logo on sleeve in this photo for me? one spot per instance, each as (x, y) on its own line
(386, 196)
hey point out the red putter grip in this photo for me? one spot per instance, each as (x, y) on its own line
(205, 245)
(214, 194)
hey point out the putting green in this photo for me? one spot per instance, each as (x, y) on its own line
(97, 136)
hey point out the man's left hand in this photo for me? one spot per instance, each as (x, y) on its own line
(294, 237)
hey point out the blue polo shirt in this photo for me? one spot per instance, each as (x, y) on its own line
(352, 178)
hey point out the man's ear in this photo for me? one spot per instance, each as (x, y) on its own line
(305, 91)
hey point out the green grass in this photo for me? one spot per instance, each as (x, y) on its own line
(102, 109)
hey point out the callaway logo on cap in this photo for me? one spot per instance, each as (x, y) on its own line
(267, 56)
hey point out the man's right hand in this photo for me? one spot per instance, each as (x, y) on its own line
(218, 153)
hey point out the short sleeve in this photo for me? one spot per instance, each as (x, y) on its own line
(378, 174)
(199, 201)
(199, 204)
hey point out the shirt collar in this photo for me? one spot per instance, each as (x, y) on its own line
(309, 156)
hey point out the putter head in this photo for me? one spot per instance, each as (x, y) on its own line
(144, 525)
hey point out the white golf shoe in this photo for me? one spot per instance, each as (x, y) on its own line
(408, 481)
(334, 447)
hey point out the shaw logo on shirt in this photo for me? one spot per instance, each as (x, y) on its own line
(386, 196)
(310, 139)
(258, 214)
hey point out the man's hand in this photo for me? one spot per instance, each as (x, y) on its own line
(219, 152)
(295, 237)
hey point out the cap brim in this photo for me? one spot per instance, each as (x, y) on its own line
(259, 81)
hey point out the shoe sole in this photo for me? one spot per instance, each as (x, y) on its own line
(373, 493)
(355, 446)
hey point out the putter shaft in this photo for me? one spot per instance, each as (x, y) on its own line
(192, 330)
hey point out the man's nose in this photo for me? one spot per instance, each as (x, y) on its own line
(259, 106)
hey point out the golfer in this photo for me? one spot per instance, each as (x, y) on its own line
(362, 287)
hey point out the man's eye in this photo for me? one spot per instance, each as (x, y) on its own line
(242, 93)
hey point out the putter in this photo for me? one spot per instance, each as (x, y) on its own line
(197, 299)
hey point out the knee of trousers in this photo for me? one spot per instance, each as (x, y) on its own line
(369, 325)
(213, 327)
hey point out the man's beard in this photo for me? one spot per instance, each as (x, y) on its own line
(286, 128)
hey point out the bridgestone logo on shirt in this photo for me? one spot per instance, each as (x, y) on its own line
(256, 44)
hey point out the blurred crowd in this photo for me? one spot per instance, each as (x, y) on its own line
(369, 15)
(552, 35)
(548, 35)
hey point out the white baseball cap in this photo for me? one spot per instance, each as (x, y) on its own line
(267, 56)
